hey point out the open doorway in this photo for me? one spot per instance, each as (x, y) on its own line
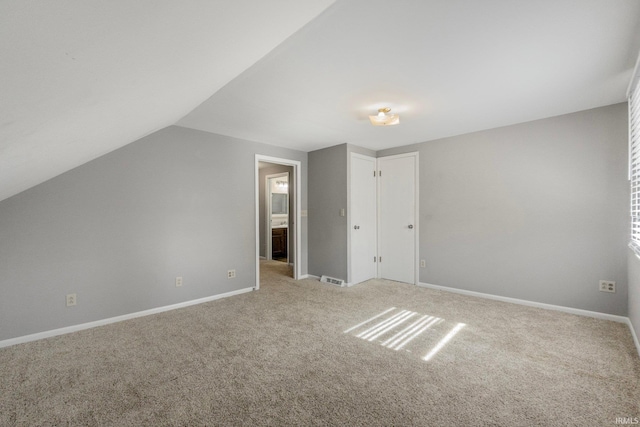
(277, 212)
(277, 216)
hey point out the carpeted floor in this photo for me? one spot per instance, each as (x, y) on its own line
(306, 353)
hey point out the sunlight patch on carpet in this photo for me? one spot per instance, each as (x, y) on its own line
(444, 341)
(399, 329)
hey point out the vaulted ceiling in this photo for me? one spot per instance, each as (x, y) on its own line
(448, 67)
(81, 78)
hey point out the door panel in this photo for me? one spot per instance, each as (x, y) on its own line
(363, 219)
(397, 218)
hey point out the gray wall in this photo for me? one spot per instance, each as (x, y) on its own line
(360, 150)
(327, 195)
(119, 229)
(536, 211)
(263, 220)
(634, 291)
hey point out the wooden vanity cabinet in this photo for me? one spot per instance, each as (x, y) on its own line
(279, 242)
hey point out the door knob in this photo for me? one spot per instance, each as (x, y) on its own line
(356, 227)
(410, 226)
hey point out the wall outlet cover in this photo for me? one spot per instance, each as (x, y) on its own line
(71, 300)
(607, 286)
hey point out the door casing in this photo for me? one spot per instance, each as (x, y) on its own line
(296, 178)
(267, 215)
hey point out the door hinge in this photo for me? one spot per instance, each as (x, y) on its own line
(379, 173)
(379, 259)
(374, 259)
(374, 174)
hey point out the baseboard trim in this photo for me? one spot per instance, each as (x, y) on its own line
(633, 334)
(570, 310)
(68, 329)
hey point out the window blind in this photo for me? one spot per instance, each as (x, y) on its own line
(634, 164)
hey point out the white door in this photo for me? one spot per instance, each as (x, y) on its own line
(362, 218)
(397, 238)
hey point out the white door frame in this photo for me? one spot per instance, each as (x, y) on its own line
(267, 215)
(415, 155)
(297, 182)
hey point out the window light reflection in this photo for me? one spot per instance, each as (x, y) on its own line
(369, 320)
(396, 330)
(444, 341)
(375, 328)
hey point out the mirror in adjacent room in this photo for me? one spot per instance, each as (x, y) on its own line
(278, 185)
(279, 204)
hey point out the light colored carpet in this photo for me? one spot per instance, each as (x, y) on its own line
(281, 356)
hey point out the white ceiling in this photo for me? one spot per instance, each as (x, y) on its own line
(80, 78)
(448, 67)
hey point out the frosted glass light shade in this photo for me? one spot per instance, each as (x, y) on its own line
(383, 118)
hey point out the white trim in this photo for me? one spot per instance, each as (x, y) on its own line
(633, 334)
(634, 75)
(297, 203)
(570, 310)
(416, 261)
(349, 218)
(88, 325)
(629, 141)
(309, 276)
(267, 213)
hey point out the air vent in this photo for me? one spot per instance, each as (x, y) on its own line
(332, 281)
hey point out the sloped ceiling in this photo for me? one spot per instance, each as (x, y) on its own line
(448, 67)
(80, 78)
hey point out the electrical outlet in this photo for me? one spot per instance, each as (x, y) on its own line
(178, 282)
(71, 300)
(423, 263)
(231, 274)
(607, 286)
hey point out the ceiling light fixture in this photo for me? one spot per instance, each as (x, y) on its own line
(383, 118)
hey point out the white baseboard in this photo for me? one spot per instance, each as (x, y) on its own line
(88, 325)
(633, 334)
(578, 311)
(263, 257)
